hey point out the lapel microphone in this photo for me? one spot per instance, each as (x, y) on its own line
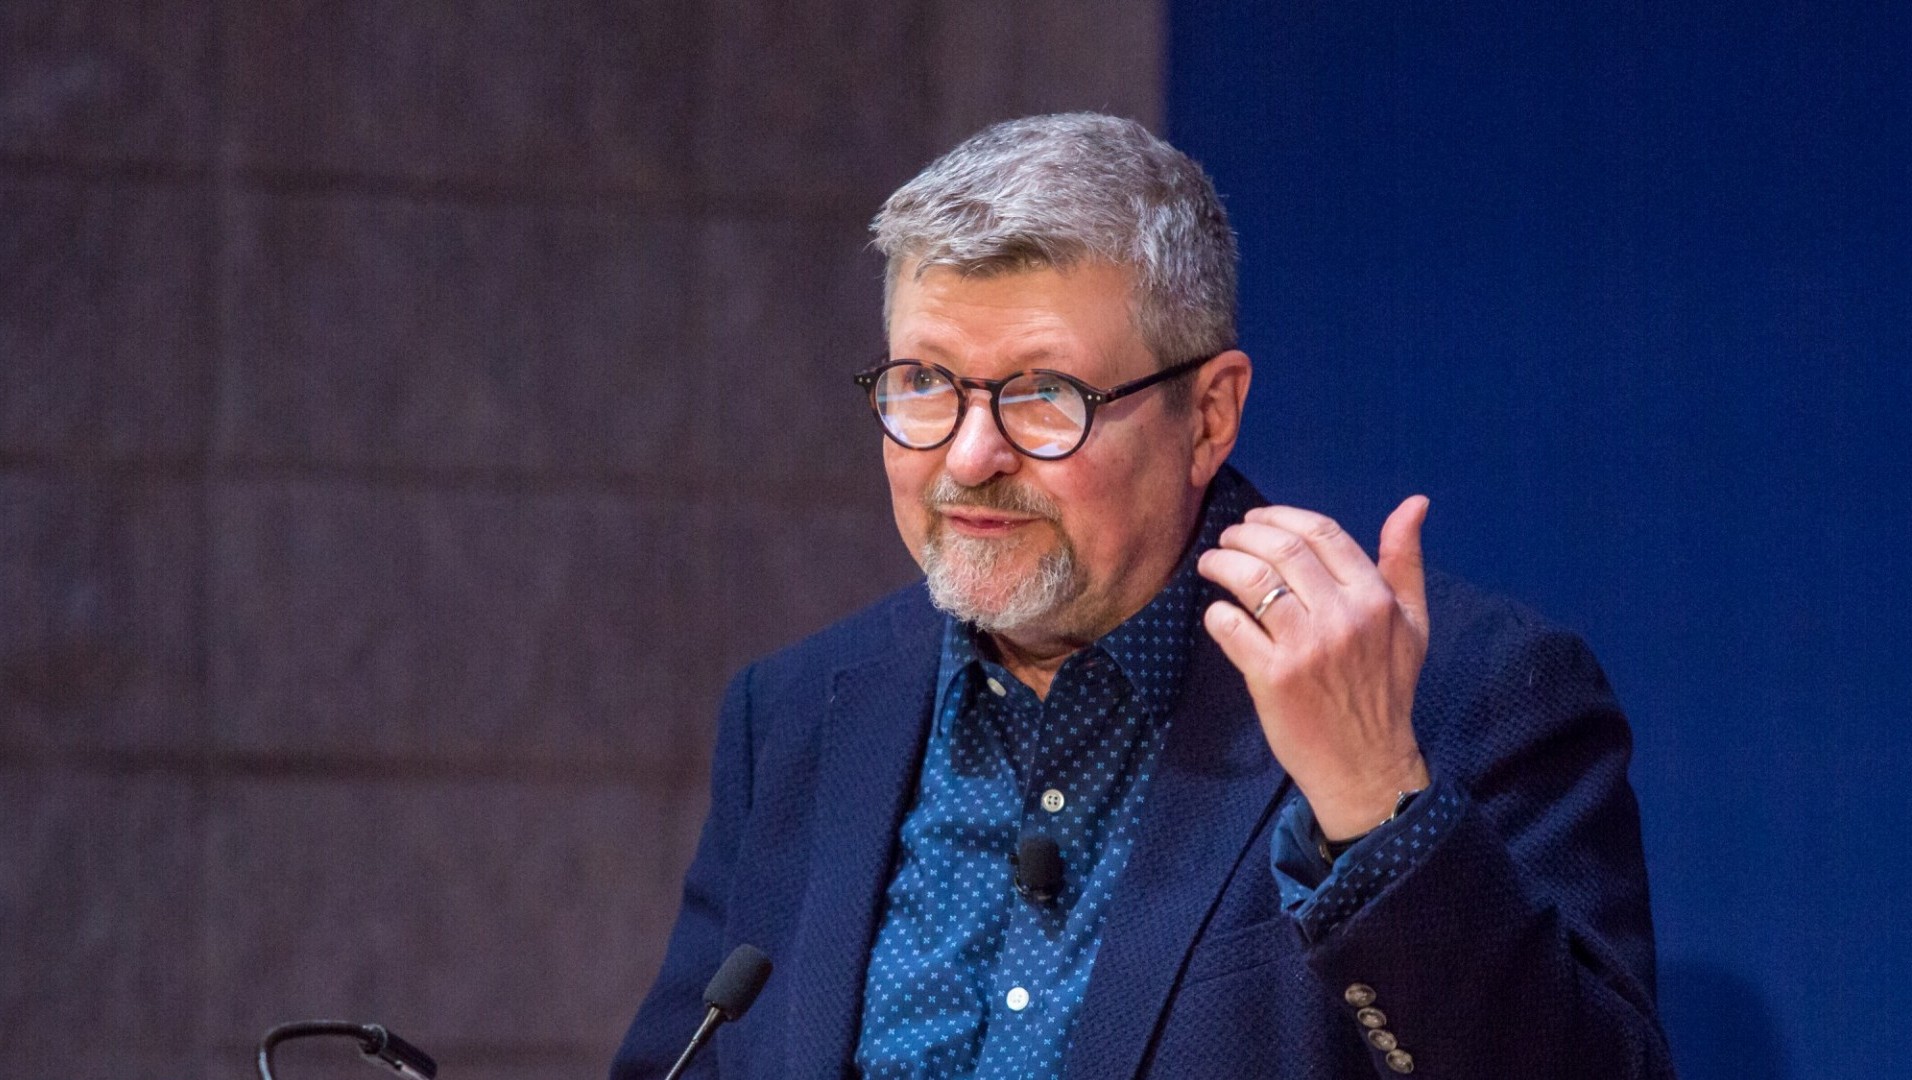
(730, 994)
(1038, 866)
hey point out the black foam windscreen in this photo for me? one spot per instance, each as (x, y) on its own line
(735, 986)
(1039, 869)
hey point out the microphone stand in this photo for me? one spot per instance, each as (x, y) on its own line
(374, 1042)
(712, 1017)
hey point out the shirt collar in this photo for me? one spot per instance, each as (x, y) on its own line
(1151, 647)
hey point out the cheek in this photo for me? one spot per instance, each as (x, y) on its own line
(909, 473)
(1121, 507)
(1095, 514)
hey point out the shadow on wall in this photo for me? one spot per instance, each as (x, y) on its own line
(1720, 1024)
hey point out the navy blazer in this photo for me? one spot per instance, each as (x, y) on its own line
(1520, 947)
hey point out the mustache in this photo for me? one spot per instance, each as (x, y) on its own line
(999, 493)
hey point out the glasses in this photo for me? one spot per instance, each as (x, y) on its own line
(1043, 414)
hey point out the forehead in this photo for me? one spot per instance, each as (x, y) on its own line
(1077, 312)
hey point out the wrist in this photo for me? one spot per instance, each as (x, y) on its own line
(1334, 849)
(1345, 820)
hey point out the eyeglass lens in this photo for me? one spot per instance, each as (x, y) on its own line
(1044, 416)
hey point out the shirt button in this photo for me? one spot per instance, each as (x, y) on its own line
(996, 688)
(1053, 801)
(1017, 999)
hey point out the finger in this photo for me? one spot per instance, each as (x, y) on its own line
(1329, 541)
(1401, 562)
(1249, 578)
(1295, 562)
(1243, 640)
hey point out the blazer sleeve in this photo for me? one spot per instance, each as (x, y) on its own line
(674, 1007)
(1520, 944)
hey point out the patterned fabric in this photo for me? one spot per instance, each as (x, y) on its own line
(968, 979)
(1322, 896)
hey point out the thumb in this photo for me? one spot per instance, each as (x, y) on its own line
(1400, 561)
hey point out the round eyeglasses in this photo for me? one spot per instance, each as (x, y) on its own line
(1043, 414)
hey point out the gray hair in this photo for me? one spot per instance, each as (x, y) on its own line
(1054, 191)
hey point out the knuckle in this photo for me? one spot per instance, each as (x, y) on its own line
(1338, 635)
(1323, 529)
(1288, 546)
(1371, 600)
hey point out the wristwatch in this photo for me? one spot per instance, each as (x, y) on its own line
(1334, 849)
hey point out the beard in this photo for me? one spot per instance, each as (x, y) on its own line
(978, 580)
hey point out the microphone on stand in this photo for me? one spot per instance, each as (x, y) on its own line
(379, 1046)
(1038, 866)
(730, 994)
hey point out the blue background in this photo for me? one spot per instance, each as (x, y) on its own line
(1625, 290)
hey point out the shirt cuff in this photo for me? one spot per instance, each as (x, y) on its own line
(1321, 896)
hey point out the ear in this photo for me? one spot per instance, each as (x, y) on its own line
(1221, 388)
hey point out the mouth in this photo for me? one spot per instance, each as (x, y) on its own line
(972, 521)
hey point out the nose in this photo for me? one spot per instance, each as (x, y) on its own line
(978, 452)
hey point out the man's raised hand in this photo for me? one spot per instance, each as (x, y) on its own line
(1331, 663)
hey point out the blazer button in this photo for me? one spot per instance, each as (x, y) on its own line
(1383, 1040)
(1359, 995)
(1400, 1061)
(1372, 1018)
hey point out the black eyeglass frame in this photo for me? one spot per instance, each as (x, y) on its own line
(1093, 397)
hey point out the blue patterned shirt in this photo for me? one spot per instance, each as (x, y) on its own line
(968, 979)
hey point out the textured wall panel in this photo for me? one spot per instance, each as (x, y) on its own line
(996, 59)
(796, 309)
(104, 346)
(100, 637)
(100, 911)
(552, 94)
(815, 100)
(98, 80)
(790, 570)
(391, 333)
(480, 919)
(503, 627)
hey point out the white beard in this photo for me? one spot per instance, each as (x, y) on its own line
(965, 581)
(966, 573)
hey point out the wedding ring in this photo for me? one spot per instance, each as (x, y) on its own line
(1274, 594)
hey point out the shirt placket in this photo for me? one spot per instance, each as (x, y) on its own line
(1055, 800)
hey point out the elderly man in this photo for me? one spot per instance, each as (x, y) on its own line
(1147, 778)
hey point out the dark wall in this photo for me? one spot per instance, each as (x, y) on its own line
(1628, 291)
(409, 413)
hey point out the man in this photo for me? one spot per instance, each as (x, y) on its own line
(1315, 815)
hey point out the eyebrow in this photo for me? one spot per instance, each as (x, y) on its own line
(1035, 357)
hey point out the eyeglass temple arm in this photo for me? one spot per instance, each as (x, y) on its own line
(1103, 397)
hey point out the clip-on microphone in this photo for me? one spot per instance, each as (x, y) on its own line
(1038, 866)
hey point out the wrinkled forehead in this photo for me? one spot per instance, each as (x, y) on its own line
(1008, 264)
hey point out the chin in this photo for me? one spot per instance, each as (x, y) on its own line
(995, 585)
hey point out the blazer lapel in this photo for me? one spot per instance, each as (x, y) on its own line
(871, 753)
(1214, 787)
